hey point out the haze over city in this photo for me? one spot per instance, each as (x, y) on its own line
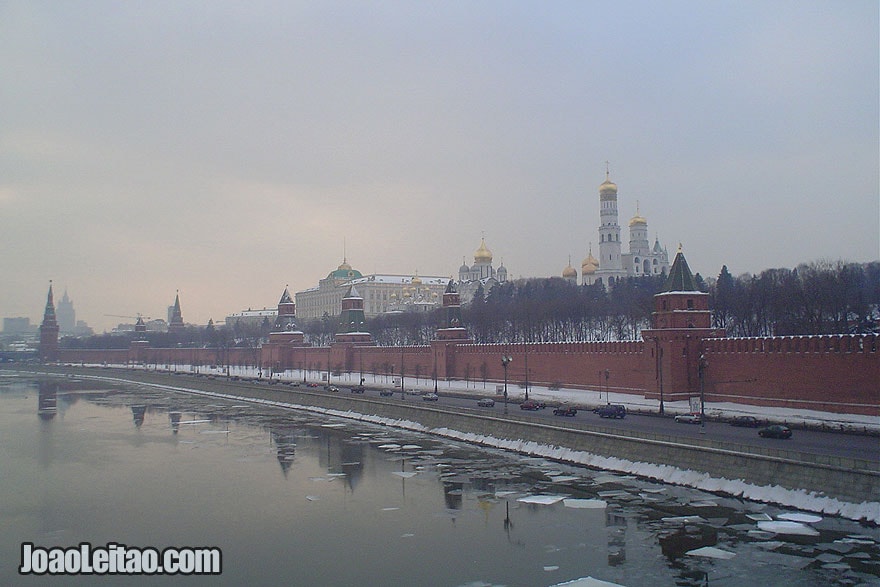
(228, 150)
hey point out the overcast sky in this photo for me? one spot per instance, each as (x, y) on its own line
(228, 149)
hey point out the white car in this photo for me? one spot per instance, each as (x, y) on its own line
(430, 397)
(688, 418)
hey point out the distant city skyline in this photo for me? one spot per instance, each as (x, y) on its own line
(227, 151)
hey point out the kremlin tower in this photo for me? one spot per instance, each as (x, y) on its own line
(49, 331)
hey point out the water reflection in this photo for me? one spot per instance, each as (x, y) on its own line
(47, 400)
(350, 493)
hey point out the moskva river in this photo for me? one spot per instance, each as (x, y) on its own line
(295, 498)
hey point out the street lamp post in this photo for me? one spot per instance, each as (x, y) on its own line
(505, 361)
(435, 371)
(702, 368)
(607, 395)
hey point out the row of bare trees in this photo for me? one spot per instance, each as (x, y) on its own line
(816, 298)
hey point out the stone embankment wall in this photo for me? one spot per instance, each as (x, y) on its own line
(848, 480)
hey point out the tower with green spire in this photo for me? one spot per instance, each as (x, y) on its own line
(352, 320)
(680, 321)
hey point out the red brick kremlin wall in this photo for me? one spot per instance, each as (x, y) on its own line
(826, 373)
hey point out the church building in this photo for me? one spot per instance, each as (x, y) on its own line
(612, 264)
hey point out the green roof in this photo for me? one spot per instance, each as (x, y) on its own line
(680, 276)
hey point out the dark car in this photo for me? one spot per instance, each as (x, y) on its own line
(486, 402)
(612, 411)
(358, 389)
(531, 405)
(386, 392)
(775, 431)
(565, 411)
(745, 421)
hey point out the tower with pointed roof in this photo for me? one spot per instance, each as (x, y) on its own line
(680, 321)
(175, 320)
(452, 329)
(352, 320)
(49, 330)
(286, 318)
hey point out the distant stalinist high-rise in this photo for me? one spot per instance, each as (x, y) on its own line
(66, 315)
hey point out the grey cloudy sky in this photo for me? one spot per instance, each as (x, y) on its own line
(227, 149)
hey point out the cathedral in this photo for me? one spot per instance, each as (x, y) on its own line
(612, 264)
(481, 273)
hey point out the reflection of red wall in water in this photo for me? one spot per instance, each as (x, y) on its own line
(825, 373)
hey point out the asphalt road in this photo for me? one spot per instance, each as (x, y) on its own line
(809, 441)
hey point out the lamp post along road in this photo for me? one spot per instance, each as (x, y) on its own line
(702, 368)
(505, 361)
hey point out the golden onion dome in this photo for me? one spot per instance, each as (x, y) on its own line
(608, 186)
(417, 280)
(638, 220)
(590, 264)
(483, 254)
(569, 272)
(345, 266)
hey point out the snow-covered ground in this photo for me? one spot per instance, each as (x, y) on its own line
(579, 397)
(801, 499)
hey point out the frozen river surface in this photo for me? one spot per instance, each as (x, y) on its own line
(302, 499)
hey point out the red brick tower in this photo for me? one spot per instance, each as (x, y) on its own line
(286, 320)
(452, 333)
(49, 331)
(681, 320)
(352, 319)
(175, 324)
(452, 328)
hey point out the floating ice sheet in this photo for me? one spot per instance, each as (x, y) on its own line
(711, 552)
(799, 517)
(404, 474)
(588, 582)
(585, 504)
(542, 499)
(684, 520)
(759, 517)
(785, 527)
(564, 478)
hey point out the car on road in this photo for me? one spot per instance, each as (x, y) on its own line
(430, 397)
(565, 411)
(413, 392)
(486, 402)
(312, 384)
(688, 419)
(775, 431)
(386, 392)
(331, 388)
(745, 421)
(531, 405)
(358, 389)
(611, 411)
